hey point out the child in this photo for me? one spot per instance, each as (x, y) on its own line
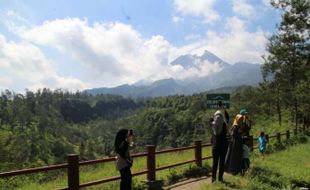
(262, 141)
(245, 155)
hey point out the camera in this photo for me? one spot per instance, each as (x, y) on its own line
(130, 132)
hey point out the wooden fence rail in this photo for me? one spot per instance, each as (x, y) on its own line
(73, 163)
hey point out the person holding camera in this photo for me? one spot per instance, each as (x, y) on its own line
(219, 141)
(123, 160)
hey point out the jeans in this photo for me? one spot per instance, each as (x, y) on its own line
(218, 159)
(125, 179)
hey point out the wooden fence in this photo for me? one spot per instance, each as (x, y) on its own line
(73, 163)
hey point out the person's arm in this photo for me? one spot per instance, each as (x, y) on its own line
(266, 142)
(247, 123)
(123, 147)
(226, 117)
(235, 132)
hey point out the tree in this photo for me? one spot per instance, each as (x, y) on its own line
(288, 48)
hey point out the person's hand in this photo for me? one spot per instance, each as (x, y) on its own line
(129, 161)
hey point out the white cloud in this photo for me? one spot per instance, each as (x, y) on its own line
(5, 82)
(24, 63)
(177, 20)
(114, 53)
(241, 7)
(235, 24)
(234, 46)
(197, 8)
(14, 21)
(238, 46)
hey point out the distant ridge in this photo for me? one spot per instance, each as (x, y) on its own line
(229, 76)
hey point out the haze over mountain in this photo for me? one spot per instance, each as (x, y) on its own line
(213, 73)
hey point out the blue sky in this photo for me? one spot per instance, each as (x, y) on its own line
(84, 44)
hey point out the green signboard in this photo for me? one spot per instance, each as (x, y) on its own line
(213, 99)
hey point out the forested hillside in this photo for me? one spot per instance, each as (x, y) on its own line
(44, 126)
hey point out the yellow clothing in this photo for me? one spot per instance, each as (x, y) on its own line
(238, 120)
(243, 127)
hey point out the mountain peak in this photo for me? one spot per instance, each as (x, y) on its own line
(186, 61)
(190, 61)
(212, 58)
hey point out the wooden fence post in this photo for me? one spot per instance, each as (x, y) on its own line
(251, 143)
(278, 137)
(198, 155)
(287, 135)
(151, 163)
(73, 172)
(152, 183)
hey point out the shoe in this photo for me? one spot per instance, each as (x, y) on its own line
(221, 180)
(213, 180)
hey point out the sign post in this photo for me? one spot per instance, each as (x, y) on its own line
(213, 99)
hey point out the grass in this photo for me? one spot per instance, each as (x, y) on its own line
(106, 170)
(286, 169)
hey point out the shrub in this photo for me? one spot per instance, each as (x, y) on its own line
(302, 138)
(190, 172)
(174, 177)
(195, 171)
(279, 146)
(138, 186)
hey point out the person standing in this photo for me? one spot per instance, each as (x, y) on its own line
(123, 159)
(262, 142)
(245, 155)
(241, 127)
(219, 141)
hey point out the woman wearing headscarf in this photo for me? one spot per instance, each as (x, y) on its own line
(123, 159)
(241, 127)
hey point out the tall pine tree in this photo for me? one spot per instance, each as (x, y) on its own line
(288, 59)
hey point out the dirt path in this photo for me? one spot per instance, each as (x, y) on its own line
(190, 184)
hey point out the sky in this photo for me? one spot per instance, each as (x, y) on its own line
(78, 44)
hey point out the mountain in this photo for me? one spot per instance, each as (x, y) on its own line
(189, 61)
(229, 75)
(163, 87)
(208, 56)
(186, 61)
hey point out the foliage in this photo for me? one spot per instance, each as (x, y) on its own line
(286, 68)
(41, 128)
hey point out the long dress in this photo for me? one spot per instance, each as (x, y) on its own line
(233, 160)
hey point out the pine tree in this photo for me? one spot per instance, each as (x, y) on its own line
(288, 58)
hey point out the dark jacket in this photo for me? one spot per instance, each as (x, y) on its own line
(219, 128)
(220, 140)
